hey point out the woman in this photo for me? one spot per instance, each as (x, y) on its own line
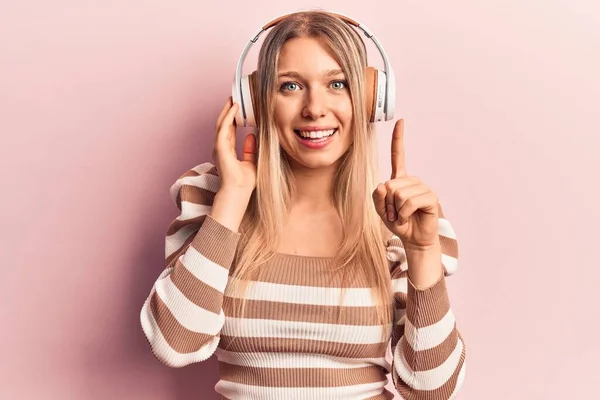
(292, 265)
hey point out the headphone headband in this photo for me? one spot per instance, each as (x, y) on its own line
(389, 98)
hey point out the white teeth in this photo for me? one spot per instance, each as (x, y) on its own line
(316, 134)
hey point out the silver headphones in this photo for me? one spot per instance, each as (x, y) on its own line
(380, 85)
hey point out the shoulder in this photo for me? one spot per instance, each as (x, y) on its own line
(197, 185)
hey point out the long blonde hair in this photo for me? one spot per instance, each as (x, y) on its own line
(362, 250)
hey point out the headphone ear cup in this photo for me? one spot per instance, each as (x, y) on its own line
(371, 92)
(246, 109)
(253, 88)
(235, 96)
(375, 94)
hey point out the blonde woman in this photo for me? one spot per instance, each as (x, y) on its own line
(306, 278)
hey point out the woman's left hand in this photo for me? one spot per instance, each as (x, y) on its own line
(407, 206)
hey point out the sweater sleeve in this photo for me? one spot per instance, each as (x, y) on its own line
(182, 316)
(428, 351)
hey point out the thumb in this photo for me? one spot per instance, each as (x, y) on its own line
(249, 150)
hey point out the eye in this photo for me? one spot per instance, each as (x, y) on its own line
(339, 85)
(289, 86)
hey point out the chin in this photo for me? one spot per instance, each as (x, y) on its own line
(316, 161)
(318, 164)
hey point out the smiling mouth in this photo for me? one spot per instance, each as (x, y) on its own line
(315, 135)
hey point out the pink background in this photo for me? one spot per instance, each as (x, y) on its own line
(104, 104)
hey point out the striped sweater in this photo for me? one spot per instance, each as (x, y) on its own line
(290, 347)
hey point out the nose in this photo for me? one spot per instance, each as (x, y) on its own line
(315, 104)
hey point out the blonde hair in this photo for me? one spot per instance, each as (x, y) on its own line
(362, 251)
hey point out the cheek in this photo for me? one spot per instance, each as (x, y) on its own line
(344, 112)
(284, 110)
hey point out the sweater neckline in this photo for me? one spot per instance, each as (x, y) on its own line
(301, 257)
(305, 263)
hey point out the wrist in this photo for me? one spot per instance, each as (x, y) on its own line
(432, 247)
(425, 267)
(234, 193)
(229, 207)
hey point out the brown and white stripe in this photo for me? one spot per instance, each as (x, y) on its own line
(288, 344)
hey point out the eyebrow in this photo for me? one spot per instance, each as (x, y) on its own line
(294, 74)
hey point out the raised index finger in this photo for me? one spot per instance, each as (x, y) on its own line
(398, 160)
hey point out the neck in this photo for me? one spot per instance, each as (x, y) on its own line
(314, 187)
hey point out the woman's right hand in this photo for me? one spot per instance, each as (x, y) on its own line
(238, 176)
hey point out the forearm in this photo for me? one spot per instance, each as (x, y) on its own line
(429, 360)
(183, 314)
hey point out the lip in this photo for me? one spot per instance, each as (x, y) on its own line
(316, 145)
(315, 128)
